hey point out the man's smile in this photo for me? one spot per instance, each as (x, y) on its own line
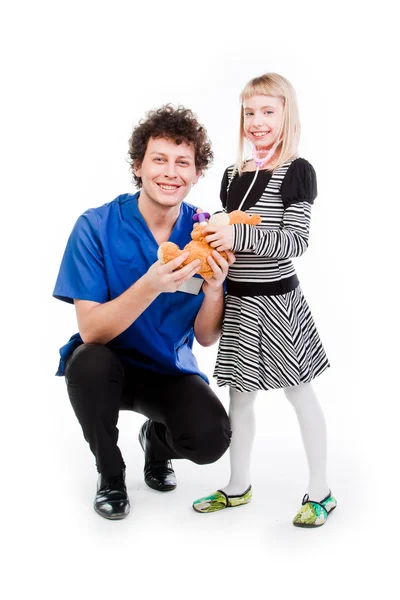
(168, 187)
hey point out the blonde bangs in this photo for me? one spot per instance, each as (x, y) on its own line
(258, 87)
(272, 84)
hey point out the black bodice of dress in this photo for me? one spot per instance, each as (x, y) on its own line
(238, 189)
(298, 185)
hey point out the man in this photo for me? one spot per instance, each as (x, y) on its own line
(137, 318)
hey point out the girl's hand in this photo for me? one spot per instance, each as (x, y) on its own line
(220, 268)
(221, 237)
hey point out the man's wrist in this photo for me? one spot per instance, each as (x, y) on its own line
(213, 292)
(145, 288)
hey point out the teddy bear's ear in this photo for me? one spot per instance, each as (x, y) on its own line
(160, 255)
(220, 218)
(168, 251)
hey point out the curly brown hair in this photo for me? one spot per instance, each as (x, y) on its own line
(178, 125)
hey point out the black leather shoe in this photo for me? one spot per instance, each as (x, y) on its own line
(112, 500)
(158, 474)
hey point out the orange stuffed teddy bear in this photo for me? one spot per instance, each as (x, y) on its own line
(198, 248)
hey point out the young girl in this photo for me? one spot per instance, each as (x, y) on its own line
(269, 339)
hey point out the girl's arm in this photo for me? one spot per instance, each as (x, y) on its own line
(299, 189)
(288, 241)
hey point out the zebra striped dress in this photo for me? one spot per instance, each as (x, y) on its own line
(269, 339)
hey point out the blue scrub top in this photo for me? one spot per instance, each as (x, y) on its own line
(109, 249)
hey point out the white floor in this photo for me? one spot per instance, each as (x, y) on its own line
(60, 548)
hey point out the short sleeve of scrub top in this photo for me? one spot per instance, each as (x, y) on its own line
(82, 273)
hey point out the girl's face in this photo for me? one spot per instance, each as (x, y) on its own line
(262, 119)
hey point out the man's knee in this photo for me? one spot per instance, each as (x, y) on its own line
(92, 362)
(207, 444)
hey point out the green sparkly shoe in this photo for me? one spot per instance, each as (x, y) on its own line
(314, 514)
(219, 500)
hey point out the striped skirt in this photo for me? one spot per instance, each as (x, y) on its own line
(268, 342)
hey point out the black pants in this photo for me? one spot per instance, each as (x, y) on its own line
(190, 421)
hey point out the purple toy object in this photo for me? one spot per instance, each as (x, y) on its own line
(201, 217)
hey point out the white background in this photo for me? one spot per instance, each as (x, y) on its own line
(76, 77)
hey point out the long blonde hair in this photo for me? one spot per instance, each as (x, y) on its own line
(272, 84)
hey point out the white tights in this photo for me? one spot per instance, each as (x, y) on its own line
(313, 431)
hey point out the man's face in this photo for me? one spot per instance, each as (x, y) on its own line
(168, 171)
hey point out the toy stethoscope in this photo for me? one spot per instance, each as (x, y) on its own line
(260, 162)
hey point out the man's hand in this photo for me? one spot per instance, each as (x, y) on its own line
(220, 268)
(164, 278)
(221, 237)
